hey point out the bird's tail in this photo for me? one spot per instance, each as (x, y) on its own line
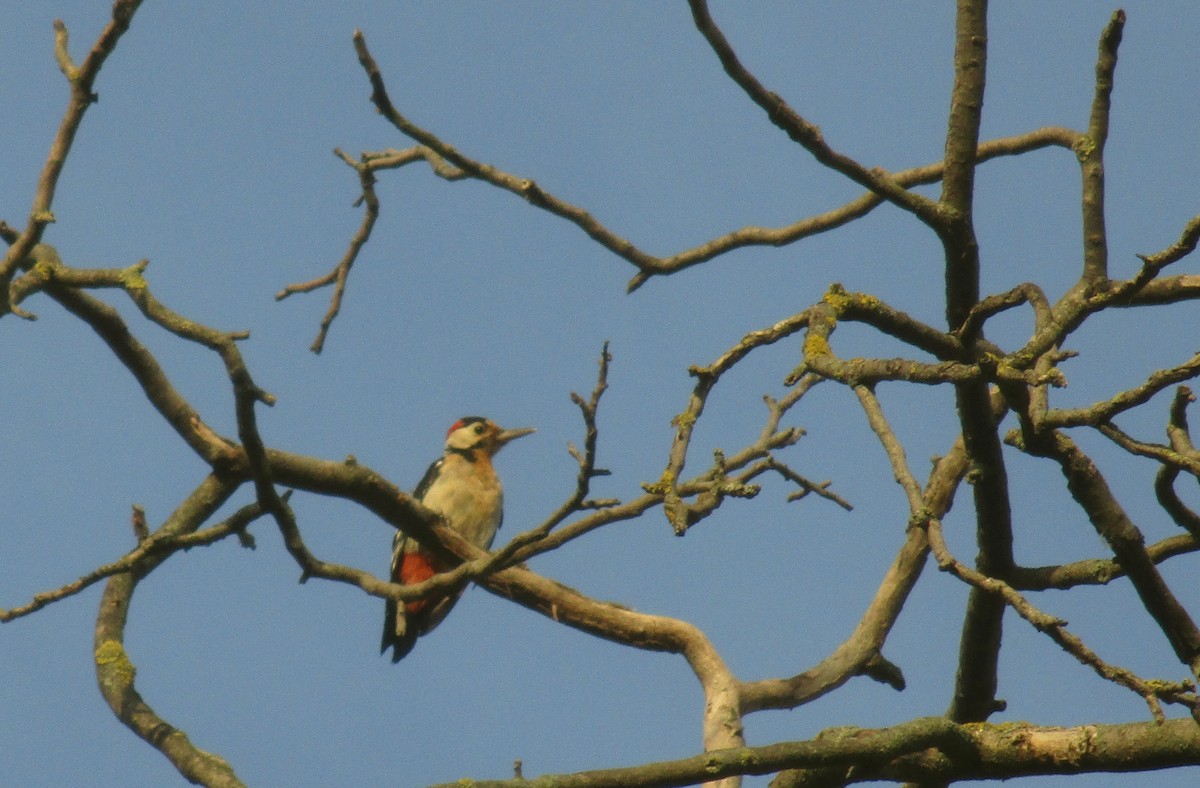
(397, 634)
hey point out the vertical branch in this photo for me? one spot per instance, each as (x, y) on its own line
(979, 648)
(962, 139)
(1090, 151)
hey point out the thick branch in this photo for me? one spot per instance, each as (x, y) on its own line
(1091, 155)
(838, 746)
(966, 105)
(979, 646)
(1001, 752)
(958, 183)
(1092, 492)
(925, 749)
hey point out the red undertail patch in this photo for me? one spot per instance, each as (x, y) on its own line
(416, 568)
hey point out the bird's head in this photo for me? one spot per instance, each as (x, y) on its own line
(475, 432)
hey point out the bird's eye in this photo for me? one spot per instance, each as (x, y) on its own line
(478, 429)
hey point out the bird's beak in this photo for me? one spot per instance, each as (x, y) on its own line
(511, 435)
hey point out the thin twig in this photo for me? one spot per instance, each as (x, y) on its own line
(156, 546)
(341, 271)
(805, 133)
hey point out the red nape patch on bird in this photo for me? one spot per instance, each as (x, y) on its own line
(417, 568)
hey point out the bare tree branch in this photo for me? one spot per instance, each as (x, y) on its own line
(805, 133)
(1096, 571)
(988, 382)
(929, 748)
(853, 656)
(158, 545)
(81, 79)
(115, 670)
(341, 272)
(979, 646)
(1103, 411)
(1090, 151)
(1008, 751)
(449, 163)
(1093, 494)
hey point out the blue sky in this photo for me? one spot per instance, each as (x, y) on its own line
(210, 154)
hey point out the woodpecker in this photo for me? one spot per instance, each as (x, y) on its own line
(463, 488)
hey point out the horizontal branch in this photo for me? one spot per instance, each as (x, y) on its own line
(1011, 750)
(929, 748)
(1103, 411)
(1095, 571)
(840, 746)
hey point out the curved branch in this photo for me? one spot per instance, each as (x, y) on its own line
(722, 705)
(115, 671)
(865, 643)
(874, 311)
